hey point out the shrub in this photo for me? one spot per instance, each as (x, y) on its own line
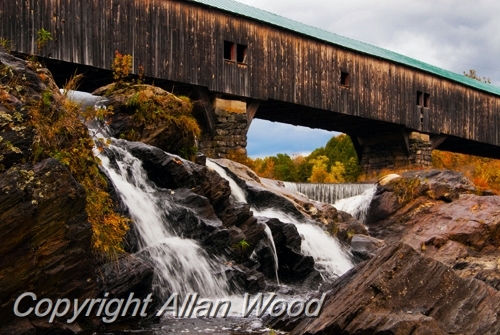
(61, 135)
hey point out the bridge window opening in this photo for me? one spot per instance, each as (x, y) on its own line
(229, 51)
(427, 98)
(241, 53)
(420, 98)
(344, 78)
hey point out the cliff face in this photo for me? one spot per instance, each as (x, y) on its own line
(45, 234)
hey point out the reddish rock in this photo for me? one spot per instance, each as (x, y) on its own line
(401, 292)
(443, 219)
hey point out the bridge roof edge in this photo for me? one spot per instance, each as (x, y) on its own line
(348, 43)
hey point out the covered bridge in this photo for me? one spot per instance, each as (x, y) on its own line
(241, 63)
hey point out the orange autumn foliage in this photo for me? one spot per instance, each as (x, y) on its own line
(483, 172)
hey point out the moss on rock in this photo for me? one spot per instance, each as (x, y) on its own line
(153, 116)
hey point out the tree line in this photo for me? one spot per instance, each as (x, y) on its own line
(336, 162)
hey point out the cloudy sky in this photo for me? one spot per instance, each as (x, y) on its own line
(456, 35)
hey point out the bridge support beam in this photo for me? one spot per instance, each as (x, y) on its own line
(394, 150)
(230, 126)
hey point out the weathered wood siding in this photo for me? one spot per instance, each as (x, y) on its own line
(183, 41)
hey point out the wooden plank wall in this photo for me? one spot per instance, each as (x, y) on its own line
(183, 41)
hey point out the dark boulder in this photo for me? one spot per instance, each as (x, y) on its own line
(172, 172)
(131, 277)
(294, 267)
(365, 246)
(242, 279)
(46, 246)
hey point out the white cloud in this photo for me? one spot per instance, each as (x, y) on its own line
(267, 138)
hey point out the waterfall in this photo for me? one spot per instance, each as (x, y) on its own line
(236, 192)
(327, 193)
(239, 195)
(269, 236)
(330, 259)
(357, 205)
(181, 265)
(351, 198)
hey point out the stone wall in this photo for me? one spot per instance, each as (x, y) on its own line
(393, 153)
(230, 130)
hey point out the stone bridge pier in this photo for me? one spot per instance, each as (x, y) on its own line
(224, 131)
(226, 121)
(403, 148)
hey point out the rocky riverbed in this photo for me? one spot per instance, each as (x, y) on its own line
(425, 261)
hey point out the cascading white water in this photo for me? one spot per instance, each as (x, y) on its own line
(239, 195)
(236, 191)
(331, 260)
(269, 236)
(327, 193)
(357, 205)
(351, 198)
(181, 265)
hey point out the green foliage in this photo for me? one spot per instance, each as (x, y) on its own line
(284, 168)
(188, 152)
(47, 99)
(43, 37)
(241, 246)
(340, 149)
(336, 162)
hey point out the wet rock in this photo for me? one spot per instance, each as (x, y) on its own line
(365, 246)
(172, 172)
(271, 194)
(401, 292)
(131, 277)
(346, 227)
(294, 267)
(242, 279)
(202, 209)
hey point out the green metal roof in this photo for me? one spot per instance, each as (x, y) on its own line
(301, 28)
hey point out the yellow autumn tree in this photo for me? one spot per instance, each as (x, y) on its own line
(337, 173)
(319, 170)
